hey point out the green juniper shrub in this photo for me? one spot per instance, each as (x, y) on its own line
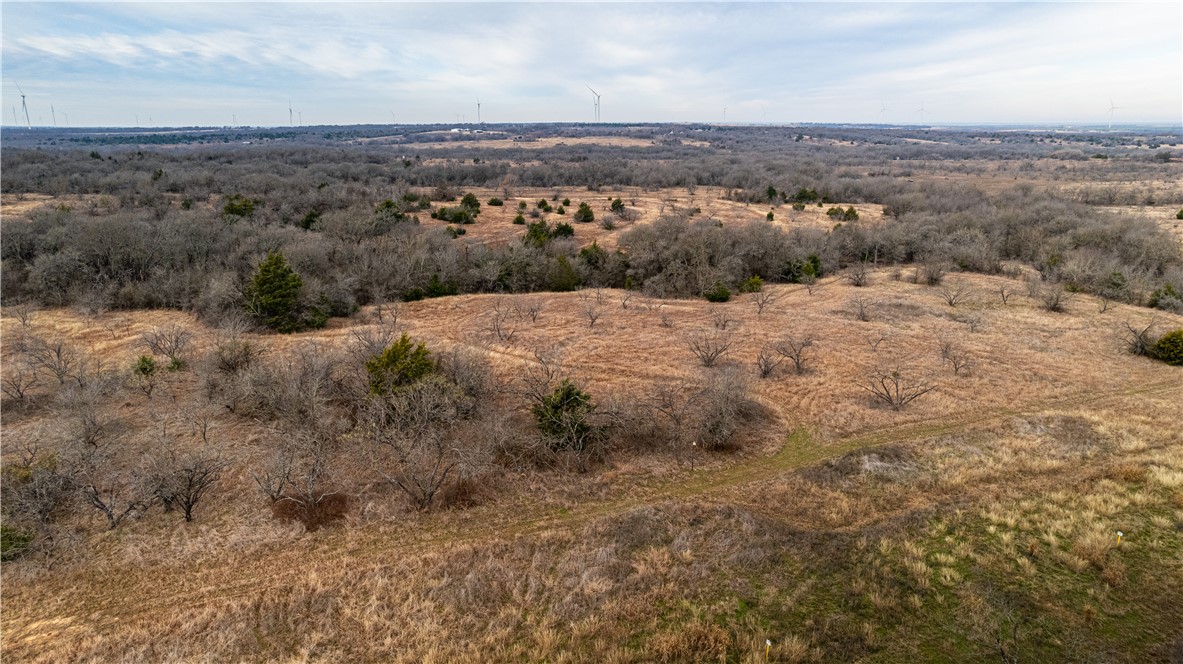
(519, 220)
(563, 230)
(14, 542)
(753, 284)
(495, 202)
(563, 416)
(401, 364)
(584, 214)
(718, 293)
(273, 296)
(617, 206)
(1169, 348)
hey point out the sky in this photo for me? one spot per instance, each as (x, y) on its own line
(215, 64)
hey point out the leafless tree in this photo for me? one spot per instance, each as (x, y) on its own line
(861, 307)
(499, 323)
(722, 406)
(1004, 293)
(19, 377)
(57, 357)
(600, 295)
(624, 299)
(897, 386)
(809, 282)
(1138, 340)
(592, 313)
(721, 319)
(931, 272)
(767, 360)
(275, 476)
(183, 480)
(875, 339)
(957, 357)
(798, 350)
(170, 341)
(763, 299)
(955, 293)
(710, 346)
(117, 493)
(858, 275)
(1054, 298)
(530, 308)
(539, 378)
(24, 313)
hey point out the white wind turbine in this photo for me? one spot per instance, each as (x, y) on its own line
(921, 111)
(24, 107)
(595, 101)
(1112, 108)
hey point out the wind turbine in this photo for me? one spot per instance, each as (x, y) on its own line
(300, 115)
(724, 114)
(54, 114)
(235, 117)
(290, 114)
(15, 121)
(595, 101)
(478, 110)
(1112, 108)
(24, 107)
(137, 119)
(882, 111)
(67, 116)
(392, 121)
(921, 111)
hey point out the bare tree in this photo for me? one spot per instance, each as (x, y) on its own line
(875, 339)
(931, 272)
(1139, 340)
(24, 313)
(170, 341)
(861, 307)
(1004, 293)
(530, 308)
(1054, 298)
(721, 319)
(710, 346)
(957, 357)
(809, 281)
(897, 386)
(721, 407)
(624, 299)
(499, 321)
(797, 349)
(763, 299)
(955, 293)
(592, 313)
(767, 361)
(183, 480)
(858, 275)
(57, 357)
(19, 377)
(275, 476)
(116, 493)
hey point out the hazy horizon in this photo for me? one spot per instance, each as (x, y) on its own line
(221, 64)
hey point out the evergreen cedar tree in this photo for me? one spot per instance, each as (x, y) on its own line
(274, 294)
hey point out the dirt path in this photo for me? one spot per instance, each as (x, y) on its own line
(162, 590)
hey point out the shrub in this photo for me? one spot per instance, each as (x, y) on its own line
(13, 542)
(537, 234)
(1179, 214)
(806, 196)
(521, 205)
(438, 288)
(561, 210)
(495, 202)
(584, 214)
(617, 206)
(401, 364)
(798, 206)
(769, 216)
(470, 202)
(145, 366)
(1169, 348)
(718, 293)
(1166, 298)
(563, 417)
(753, 284)
(459, 214)
(562, 230)
(519, 220)
(567, 203)
(456, 231)
(238, 206)
(273, 296)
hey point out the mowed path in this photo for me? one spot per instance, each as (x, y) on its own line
(36, 615)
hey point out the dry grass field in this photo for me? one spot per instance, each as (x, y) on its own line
(838, 530)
